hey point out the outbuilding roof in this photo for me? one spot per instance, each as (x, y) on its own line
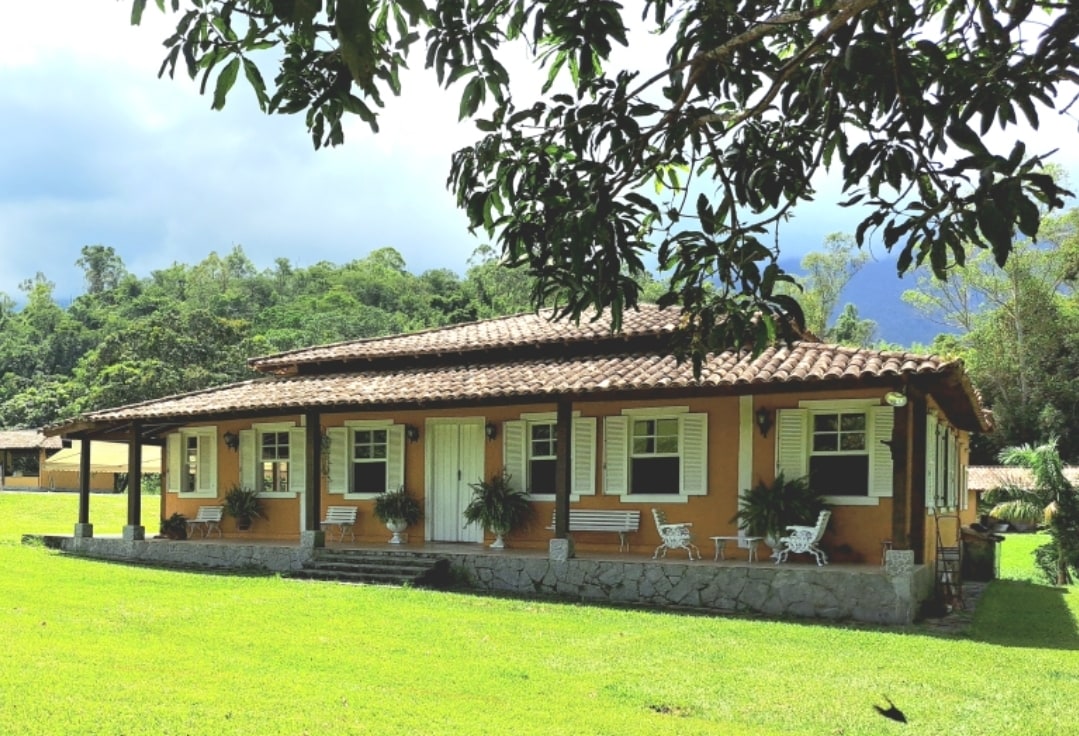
(27, 439)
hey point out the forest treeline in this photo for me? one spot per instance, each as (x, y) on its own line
(187, 327)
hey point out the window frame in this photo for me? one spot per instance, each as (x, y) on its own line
(517, 452)
(176, 460)
(341, 451)
(252, 466)
(693, 451)
(839, 452)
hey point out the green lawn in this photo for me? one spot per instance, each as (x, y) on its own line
(98, 648)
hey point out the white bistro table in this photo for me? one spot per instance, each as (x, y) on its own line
(721, 544)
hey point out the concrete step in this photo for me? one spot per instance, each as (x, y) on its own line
(363, 566)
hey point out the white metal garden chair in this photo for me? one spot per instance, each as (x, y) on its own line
(804, 539)
(673, 536)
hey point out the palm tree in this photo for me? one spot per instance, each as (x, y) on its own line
(1049, 496)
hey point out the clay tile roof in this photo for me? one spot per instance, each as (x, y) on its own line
(986, 477)
(28, 439)
(515, 331)
(539, 377)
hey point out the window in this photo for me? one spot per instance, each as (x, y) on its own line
(275, 460)
(370, 451)
(541, 458)
(530, 451)
(839, 454)
(365, 458)
(841, 446)
(655, 463)
(656, 454)
(272, 458)
(191, 462)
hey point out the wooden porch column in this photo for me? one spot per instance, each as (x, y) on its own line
(901, 466)
(917, 408)
(134, 530)
(312, 535)
(84, 528)
(562, 545)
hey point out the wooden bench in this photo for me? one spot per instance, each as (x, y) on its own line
(342, 517)
(208, 519)
(596, 520)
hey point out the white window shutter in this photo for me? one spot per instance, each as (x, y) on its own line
(616, 455)
(953, 480)
(881, 419)
(175, 460)
(395, 457)
(583, 456)
(961, 471)
(208, 460)
(930, 461)
(694, 463)
(338, 481)
(514, 452)
(791, 452)
(247, 459)
(297, 459)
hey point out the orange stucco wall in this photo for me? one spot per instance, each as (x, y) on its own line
(860, 528)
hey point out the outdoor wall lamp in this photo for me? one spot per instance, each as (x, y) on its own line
(412, 432)
(896, 398)
(764, 421)
(232, 441)
(491, 430)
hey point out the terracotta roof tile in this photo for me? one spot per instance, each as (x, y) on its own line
(519, 330)
(801, 363)
(985, 477)
(28, 439)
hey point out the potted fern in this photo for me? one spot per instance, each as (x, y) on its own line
(498, 507)
(174, 527)
(244, 505)
(398, 511)
(767, 509)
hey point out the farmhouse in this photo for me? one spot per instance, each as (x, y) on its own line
(579, 417)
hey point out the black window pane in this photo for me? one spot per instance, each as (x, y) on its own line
(541, 477)
(654, 475)
(825, 423)
(840, 475)
(369, 477)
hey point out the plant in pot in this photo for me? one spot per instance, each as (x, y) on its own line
(398, 511)
(244, 505)
(498, 507)
(174, 527)
(767, 509)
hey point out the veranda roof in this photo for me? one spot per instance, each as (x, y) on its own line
(105, 457)
(802, 365)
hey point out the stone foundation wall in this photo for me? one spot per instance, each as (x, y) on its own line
(184, 554)
(784, 591)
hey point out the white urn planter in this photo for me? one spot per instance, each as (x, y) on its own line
(397, 526)
(499, 542)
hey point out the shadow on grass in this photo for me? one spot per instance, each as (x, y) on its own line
(1016, 613)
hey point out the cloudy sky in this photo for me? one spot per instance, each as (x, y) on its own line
(97, 149)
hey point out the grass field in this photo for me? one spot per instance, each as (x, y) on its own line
(98, 648)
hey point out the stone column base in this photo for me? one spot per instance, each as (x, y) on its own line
(84, 531)
(134, 533)
(560, 550)
(898, 562)
(313, 539)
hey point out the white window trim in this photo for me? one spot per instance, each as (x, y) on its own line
(350, 427)
(819, 406)
(660, 412)
(209, 433)
(259, 428)
(529, 418)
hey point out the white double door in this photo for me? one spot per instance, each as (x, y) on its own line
(455, 458)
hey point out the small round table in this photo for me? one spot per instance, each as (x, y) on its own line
(721, 544)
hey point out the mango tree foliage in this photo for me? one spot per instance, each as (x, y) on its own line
(694, 156)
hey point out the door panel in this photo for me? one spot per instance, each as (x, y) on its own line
(456, 460)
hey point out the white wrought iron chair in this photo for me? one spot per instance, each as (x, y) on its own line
(804, 539)
(673, 536)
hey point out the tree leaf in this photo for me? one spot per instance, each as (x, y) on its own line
(225, 80)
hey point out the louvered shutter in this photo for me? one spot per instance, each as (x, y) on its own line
(174, 460)
(930, 461)
(395, 457)
(694, 454)
(514, 453)
(583, 456)
(338, 480)
(882, 419)
(615, 456)
(248, 461)
(952, 480)
(297, 460)
(791, 455)
(208, 460)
